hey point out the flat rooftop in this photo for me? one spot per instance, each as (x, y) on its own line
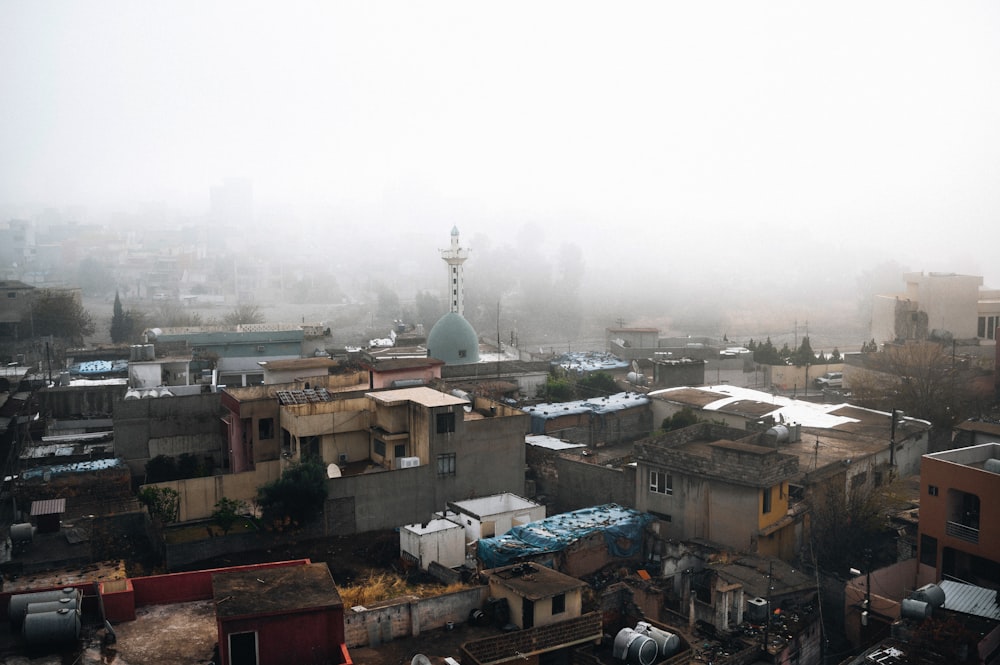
(492, 505)
(420, 395)
(174, 633)
(274, 590)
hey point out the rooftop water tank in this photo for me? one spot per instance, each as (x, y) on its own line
(914, 609)
(667, 643)
(18, 604)
(777, 434)
(634, 648)
(757, 610)
(929, 593)
(21, 533)
(52, 605)
(52, 627)
(992, 465)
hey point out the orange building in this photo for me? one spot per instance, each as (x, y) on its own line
(960, 514)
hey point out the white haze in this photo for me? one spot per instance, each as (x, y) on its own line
(735, 152)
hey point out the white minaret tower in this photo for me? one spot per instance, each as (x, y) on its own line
(455, 256)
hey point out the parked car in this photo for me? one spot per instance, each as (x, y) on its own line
(734, 352)
(830, 380)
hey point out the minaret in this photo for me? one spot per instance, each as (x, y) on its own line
(455, 256)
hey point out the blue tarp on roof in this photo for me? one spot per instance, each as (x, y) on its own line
(622, 528)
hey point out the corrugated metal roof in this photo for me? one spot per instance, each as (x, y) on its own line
(970, 599)
(48, 507)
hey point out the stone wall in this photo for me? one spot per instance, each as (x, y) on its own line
(409, 616)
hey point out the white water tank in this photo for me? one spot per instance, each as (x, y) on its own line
(667, 643)
(634, 648)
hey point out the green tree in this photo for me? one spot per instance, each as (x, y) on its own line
(765, 353)
(804, 355)
(161, 468)
(226, 513)
(683, 418)
(596, 384)
(296, 498)
(162, 503)
(558, 389)
(121, 323)
(835, 357)
(245, 313)
(60, 314)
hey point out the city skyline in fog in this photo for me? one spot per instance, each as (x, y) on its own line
(809, 139)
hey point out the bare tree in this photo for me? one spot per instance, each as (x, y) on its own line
(245, 313)
(920, 378)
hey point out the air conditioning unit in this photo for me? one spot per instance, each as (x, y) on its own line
(408, 462)
(261, 348)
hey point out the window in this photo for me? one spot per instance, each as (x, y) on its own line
(858, 480)
(379, 447)
(928, 550)
(932, 490)
(661, 482)
(446, 464)
(559, 604)
(445, 422)
(988, 327)
(461, 353)
(265, 428)
(399, 450)
(12, 294)
(767, 501)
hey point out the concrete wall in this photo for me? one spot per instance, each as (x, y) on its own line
(409, 616)
(582, 484)
(68, 401)
(597, 429)
(184, 554)
(198, 496)
(799, 378)
(165, 420)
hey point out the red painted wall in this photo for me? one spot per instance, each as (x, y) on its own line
(185, 587)
(296, 637)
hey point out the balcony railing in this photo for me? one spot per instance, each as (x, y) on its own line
(962, 532)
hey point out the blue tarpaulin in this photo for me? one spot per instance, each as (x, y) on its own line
(622, 528)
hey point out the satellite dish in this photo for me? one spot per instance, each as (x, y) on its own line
(635, 366)
(332, 471)
(420, 659)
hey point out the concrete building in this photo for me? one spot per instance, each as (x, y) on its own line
(594, 422)
(535, 594)
(960, 514)
(937, 304)
(278, 615)
(234, 352)
(251, 413)
(733, 492)
(490, 516)
(439, 541)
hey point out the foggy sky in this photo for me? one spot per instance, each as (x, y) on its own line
(815, 136)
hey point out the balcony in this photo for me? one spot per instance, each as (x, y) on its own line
(962, 532)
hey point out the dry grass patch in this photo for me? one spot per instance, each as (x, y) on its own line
(386, 586)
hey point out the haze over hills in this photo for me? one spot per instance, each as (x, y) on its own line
(730, 170)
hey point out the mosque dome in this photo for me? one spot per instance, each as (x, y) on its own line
(453, 340)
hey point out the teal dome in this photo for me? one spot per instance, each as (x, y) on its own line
(453, 340)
